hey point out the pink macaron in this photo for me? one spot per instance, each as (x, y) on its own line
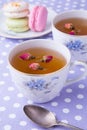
(38, 18)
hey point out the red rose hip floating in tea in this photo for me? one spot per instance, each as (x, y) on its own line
(26, 56)
(35, 66)
(47, 58)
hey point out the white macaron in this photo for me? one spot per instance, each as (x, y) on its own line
(16, 9)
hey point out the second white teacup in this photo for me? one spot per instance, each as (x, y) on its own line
(76, 43)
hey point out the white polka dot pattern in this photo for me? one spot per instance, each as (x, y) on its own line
(7, 127)
(70, 106)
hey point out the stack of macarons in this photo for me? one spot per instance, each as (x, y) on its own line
(21, 19)
(17, 16)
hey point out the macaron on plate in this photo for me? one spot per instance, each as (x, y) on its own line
(27, 34)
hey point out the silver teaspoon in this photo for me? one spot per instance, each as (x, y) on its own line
(45, 118)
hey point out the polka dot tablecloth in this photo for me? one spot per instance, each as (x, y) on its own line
(69, 106)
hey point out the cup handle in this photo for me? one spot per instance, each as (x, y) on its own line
(76, 63)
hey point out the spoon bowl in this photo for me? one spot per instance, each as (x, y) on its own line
(44, 117)
(40, 115)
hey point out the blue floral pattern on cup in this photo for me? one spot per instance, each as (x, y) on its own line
(40, 84)
(78, 49)
(36, 84)
(77, 45)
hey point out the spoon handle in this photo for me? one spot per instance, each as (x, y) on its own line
(68, 126)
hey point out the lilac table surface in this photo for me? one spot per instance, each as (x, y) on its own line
(69, 106)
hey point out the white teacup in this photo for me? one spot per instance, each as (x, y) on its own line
(44, 87)
(76, 43)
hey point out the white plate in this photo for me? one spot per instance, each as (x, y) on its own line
(29, 34)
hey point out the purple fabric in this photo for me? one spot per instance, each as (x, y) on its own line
(69, 106)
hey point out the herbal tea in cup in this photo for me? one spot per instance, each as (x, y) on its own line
(38, 60)
(39, 68)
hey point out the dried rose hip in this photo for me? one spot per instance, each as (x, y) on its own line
(69, 26)
(26, 56)
(35, 66)
(47, 58)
